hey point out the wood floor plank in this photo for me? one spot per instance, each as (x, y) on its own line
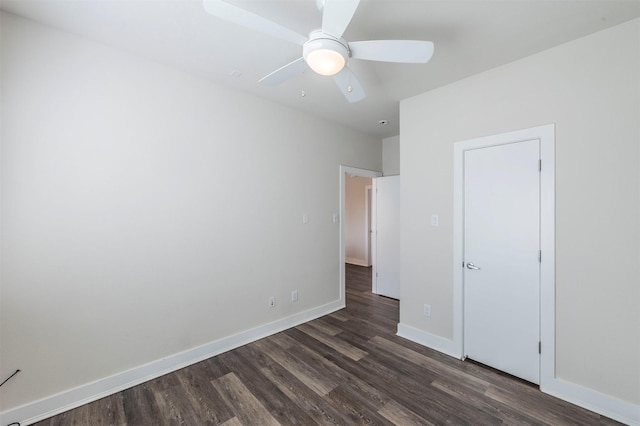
(464, 413)
(425, 362)
(317, 408)
(337, 344)
(173, 407)
(312, 377)
(324, 327)
(110, 411)
(212, 368)
(340, 315)
(232, 422)
(474, 398)
(207, 402)
(414, 392)
(355, 407)
(348, 367)
(309, 342)
(267, 392)
(140, 406)
(248, 409)
(400, 415)
(542, 410)
(338, 375)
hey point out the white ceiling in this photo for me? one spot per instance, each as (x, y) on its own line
(470, 36)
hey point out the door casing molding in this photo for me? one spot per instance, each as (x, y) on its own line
(546, 135)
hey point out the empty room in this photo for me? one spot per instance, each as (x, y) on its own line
(176, 182)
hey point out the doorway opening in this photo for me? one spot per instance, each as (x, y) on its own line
(357, 220)
(352, 173)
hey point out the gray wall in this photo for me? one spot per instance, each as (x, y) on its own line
(590, 88)
(146, 212)
(391, 156)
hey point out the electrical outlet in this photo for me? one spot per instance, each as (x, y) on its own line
(294, 296)
(427, 310)
(272, 302)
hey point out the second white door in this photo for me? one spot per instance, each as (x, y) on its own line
(501, 257)
(386, 273)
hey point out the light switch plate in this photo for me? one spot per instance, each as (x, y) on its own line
(427, 310)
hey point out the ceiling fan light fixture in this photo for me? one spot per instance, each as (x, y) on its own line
(324, 50)
(325, 56)
(325, 61)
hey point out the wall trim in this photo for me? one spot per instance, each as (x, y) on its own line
(606, 405)
(438, 343)
(73, 398)
(614, 408)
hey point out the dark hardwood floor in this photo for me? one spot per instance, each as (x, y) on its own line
(345, 368)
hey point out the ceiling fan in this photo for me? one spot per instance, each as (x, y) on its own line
(324, 50)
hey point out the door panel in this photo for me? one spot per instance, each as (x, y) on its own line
(502, 239)
(387, 217)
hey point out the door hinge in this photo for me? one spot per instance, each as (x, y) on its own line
(539, 347)
(540, 256)
(539, 165)
(377, 275)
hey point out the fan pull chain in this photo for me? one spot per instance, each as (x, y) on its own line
(302, 91)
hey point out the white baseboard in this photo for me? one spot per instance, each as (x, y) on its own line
(355, 261)
(429, 340)
(606, 405)
(617, 409)
(72, 398)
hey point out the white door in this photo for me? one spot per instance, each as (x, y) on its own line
(501, 263)
(386, 273)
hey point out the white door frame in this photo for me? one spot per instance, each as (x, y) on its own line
(355, 172)
(368, 211)
(374, 236)
(546, 135)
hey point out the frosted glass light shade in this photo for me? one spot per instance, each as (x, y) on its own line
(325, 55)
(325, 61)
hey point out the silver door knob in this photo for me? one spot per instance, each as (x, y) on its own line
(472, 266)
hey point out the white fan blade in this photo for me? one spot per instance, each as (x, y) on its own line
(336, 15)
(405, 51)
(349, 85)
(239, 16)
(284, 73)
